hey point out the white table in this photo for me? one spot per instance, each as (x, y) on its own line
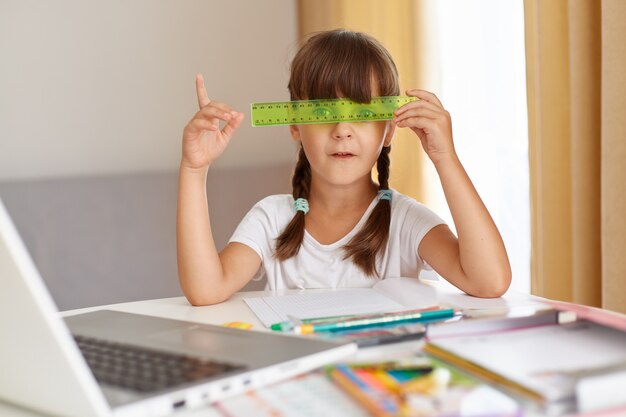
(235, 309)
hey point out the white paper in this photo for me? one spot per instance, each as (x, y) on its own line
(310, 395)
(272, 310)
(601, 391)
(409, 292)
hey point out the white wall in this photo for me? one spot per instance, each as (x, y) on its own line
(99, 87)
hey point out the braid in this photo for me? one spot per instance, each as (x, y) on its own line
(301, 180)
(382, 166)
(371, 240)
(289, 242)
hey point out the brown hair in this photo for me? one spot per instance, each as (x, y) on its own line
(329, 64)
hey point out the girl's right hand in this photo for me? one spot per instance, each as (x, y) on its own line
(203, 140)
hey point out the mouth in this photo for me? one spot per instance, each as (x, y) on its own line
(342, 155)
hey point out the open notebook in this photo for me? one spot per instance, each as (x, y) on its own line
(391, 294)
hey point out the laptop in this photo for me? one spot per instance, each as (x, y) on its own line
(108, 363)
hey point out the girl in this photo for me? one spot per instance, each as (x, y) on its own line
(338, 228)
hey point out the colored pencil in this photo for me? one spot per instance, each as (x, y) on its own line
(376, 401)
(422, 316)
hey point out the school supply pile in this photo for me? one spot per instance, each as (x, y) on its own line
(419, 386)
(557, 359)
(368, 329)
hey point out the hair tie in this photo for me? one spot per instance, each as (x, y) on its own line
(384, 195)
(301, 204)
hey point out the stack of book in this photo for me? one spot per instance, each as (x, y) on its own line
(557, 359)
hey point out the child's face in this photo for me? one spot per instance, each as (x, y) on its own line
(343, 153)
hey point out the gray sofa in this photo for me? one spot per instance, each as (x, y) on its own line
(110, 239)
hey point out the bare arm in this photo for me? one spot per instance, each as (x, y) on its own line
(476, 262)
(206, 276)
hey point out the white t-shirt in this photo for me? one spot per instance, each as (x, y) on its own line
(323, 266)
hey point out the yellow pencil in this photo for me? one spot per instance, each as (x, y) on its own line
(387, 381)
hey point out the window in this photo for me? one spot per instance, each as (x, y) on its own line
(483, 85)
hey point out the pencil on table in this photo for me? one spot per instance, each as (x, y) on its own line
(389, 382)
(374, 401)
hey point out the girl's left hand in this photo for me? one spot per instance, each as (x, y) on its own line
(430, 121)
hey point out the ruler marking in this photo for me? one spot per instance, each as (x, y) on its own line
(325, 111)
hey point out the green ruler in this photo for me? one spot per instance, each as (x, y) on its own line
(325, 111)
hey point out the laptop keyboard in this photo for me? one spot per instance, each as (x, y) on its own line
(145, 370)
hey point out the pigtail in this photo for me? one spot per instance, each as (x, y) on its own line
(370, 241)
(289, 242)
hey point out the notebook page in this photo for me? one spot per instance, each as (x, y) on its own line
(310, 395)
(410, 292)
(272, 310)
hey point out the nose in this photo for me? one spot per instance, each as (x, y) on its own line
(342, 130)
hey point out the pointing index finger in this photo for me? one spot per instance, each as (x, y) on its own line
(203, 97)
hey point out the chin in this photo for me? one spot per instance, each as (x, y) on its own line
(346, 181)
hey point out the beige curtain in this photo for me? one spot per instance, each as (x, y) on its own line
(402, 26)
(575, 57)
